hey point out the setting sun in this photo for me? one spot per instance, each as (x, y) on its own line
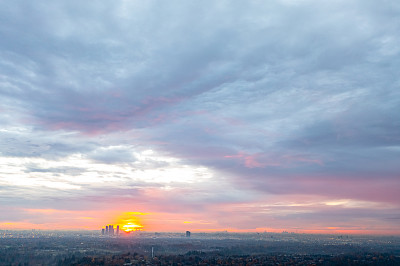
(130, 221)
(129, 227)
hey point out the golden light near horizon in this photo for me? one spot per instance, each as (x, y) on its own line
(130, 222)
(129, 227)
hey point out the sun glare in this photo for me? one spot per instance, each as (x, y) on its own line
(129, 221)
(129, 227)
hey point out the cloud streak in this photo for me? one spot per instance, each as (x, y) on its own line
(189, 108)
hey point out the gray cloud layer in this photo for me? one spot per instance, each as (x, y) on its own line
(284, 97)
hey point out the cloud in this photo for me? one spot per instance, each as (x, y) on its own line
(112, 155)
(229, 99)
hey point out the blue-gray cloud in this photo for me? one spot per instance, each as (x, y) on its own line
(265, 95)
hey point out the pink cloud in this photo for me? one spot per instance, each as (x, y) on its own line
(262, 160)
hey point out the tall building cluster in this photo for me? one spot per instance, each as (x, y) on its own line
(109, 230)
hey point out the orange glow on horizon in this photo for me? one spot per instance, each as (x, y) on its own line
(130, 222)
(129, 227)
(54, 219)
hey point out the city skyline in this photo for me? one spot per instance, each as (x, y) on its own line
(200, 116)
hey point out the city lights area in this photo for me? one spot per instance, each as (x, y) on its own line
(112, 246)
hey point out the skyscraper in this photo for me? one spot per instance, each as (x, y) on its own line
(111, 229)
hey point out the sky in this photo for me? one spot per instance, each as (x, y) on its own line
(245, 116)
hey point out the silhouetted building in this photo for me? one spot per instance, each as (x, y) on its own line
(111, 230)
(187, 233)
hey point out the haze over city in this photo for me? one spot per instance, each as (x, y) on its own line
(200, 116)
